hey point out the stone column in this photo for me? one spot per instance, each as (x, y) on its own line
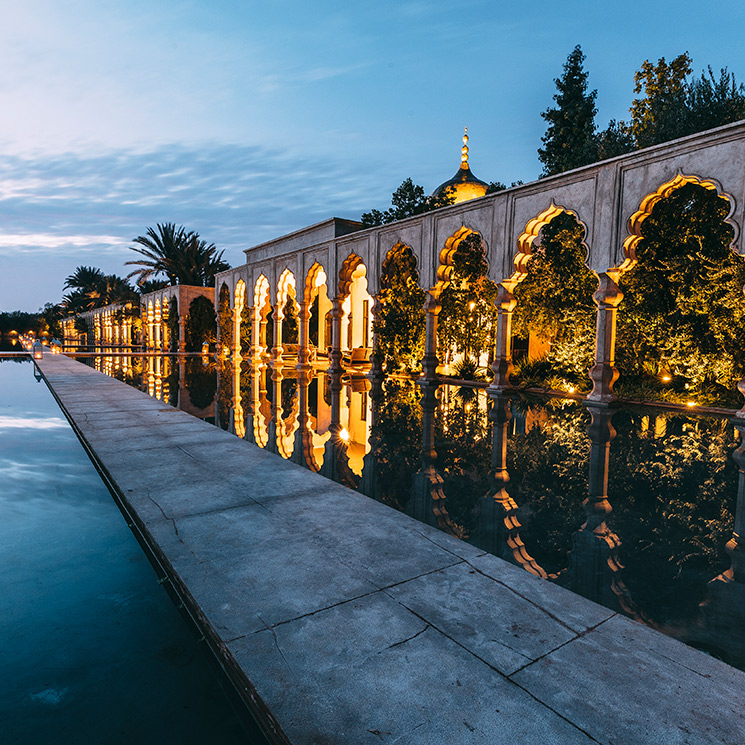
(277, 349)
(376, 370)
(181, 332)
(502, 365)
(432, 309)
(603, 373)
(303, 349)
(336, 315)
(237, 333)
(256, 335)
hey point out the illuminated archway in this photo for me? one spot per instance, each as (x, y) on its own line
(261, 309)
(316, 297)
(356, 305)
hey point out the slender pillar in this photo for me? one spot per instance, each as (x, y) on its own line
(432, 309)
(181, 332)
(237, 332)
(502, 365)
(277, 349)
(303, 349)
(336, 315)
(376, 370)
(603, 373)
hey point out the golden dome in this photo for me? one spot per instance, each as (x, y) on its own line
(464, 185)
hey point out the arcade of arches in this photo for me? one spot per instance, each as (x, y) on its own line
(554, 323)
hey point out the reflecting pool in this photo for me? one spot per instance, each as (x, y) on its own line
(91, 648)
(632, 507)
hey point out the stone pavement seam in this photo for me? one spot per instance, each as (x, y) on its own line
(503, 675)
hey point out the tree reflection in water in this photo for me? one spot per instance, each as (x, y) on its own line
(632, 507)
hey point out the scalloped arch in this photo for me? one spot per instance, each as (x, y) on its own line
(311, 279)
(530, 234)
(261, 293)
(650, 200)
(240, 295)
(445, 264)
(285, 287)
(348, 268)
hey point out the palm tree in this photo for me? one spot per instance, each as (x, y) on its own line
(91, 288)
(179, 255)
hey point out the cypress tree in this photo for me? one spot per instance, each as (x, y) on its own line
(570, 140)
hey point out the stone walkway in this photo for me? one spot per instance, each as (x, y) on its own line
(340, 620)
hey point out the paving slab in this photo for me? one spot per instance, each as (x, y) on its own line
(339, 620)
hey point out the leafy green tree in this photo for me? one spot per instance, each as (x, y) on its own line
(468, 315)
(569, 141)
(661, 113)
(408, 200)
(555, 300)
(616, 139)
(674, 105)
(200, 324)
(399, 320)
(181, 256)
(682, 312)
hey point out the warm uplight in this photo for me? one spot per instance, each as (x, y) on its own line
(344, 435)
(690, 403)
(666, 378)
(471, 305)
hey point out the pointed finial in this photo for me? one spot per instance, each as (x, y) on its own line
(464, 151)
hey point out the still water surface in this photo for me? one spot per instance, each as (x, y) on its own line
(511, 476)
(91, 648)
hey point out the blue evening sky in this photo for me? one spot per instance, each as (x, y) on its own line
(244, 120)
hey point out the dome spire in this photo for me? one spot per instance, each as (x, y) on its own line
(464, 151)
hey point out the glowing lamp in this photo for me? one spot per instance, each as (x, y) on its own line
(38, 350)
(690, 404)
(344, 435)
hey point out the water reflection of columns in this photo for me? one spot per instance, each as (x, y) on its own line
(369, 482)
(302, 452)
(603, 373)
(275, 423)
(335, 460)
(502, 365)
(593, 564)
(237, 419)
(499, 527)
(723, 611)
(428, 500)
(432, 309)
